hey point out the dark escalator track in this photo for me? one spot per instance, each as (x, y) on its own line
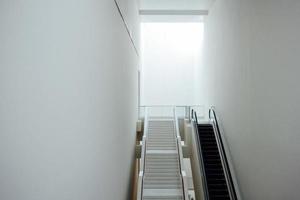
(215, 177)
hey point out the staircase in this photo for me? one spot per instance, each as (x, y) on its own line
(162, 176)
(216, 182)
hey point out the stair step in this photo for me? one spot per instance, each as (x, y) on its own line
(162, 179)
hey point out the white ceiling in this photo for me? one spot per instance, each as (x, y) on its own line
(175, 4)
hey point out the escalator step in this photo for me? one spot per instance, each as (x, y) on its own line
(216, 183)
(219, 197)
(206, 132)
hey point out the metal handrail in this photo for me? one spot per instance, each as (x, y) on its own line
(171, 105)
(212, 116)
(143, 156)
(201, 161)
(187, 108)
(179, 147)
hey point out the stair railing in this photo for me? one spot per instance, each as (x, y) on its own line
(194, 120)
(179, 147)
(226, 167)
(143, 158)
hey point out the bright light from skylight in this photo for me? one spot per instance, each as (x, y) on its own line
(171, 53)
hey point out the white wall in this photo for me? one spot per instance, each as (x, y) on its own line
(129, 10)
(170, 57)
(176, 4)
(252, 67)
(68, 100)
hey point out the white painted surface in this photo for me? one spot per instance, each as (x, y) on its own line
(252, 66)
(68, 101)
(129, 10)
(170, 56)
(176, 4)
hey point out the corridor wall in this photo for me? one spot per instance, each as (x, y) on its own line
(251, 59)
(68, 99)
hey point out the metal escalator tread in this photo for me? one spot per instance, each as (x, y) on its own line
(216, 182)
(162, 177)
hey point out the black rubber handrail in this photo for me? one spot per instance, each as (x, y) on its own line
(212, 116)
(201, 161)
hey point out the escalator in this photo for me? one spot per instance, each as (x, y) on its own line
(216, 182)
(216, 177)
